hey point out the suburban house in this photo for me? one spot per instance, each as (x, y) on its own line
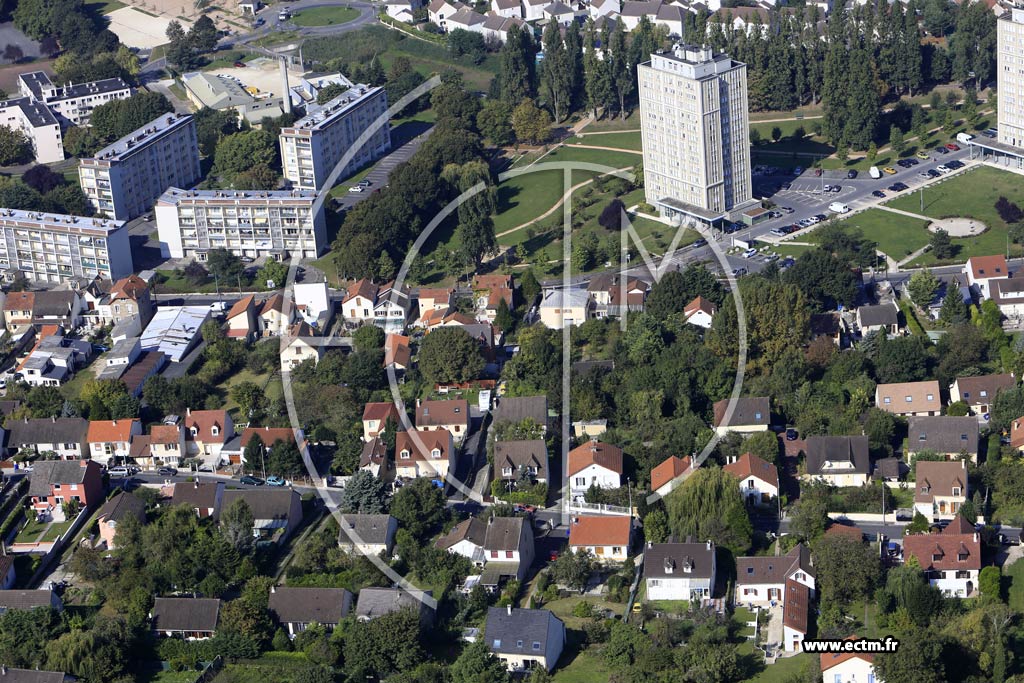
(827, 325)
(12, 675)
(165, 446)
(376, 602)
(945, 435)
(607, 538)
(515, 410)
(118, 507)
(679, 571)
(514, 460)
(206, 432)
(507, 8)
(241, 319)
(110, 440)
(236, 449)
(1017, 433)
(451, 415)
(467, 538)
(13, 599)
(302, 345)
(375, 418)
(65, 437)
(848, 666)
(296, 608)
(368, 534)
(313, 304)
(980, 392)
(273, 320)
(879, 318)
(374, 459)
(611, 293)
(128, 297)
(663, 476)
(594, 464)
(909, 398)
(600, 8)
(533, 10)
(382, 305)
(951, 560)
(489, 291)
(55, 482)
(434, 299)
(838, 460)
(1009, 296)
(357, 306)
(981, 271)
(940, 489)
(502, 545)
(750, 415)
(424, 453)
(397, 353)
(524, 639)
(761, 580)
(759, 479)
(50, 307)
(561, 308)
(206, 498)
(700, 312)
(796, 612)
(439, 11)
(188, 618)
(276, 512)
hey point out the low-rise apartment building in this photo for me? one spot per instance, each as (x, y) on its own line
(72, 102)
(39, 125)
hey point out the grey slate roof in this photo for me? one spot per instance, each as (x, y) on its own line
(882, 314)
(120, 506)
(669, 560)
(197, 494)
(376, 602)
(770, 569)
(55, 472)
(749, 411)
(943, 434)
(25, 599)
(265, 503)
(503, 533)
(47, 430)
(889, 468)
(516, 454)
(185, 614)
(9, 675)
(517, 409)
(53, 303)
(473, 530)
(305, 605)
(822, 449)
(364, 528)
(518, 631)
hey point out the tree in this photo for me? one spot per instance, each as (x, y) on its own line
(203, 35)
(598, 83)
(383, 646)
(556, 72)
(709, 506)
(776, 133)
(529, 286)
(922, 288)
(475, 231)
(516, 67)
(530, 123)
(872, 152)
(896, 142)
(809, 516)
(363, 494)
(285, 460)
(989, 583)
(612, 214)
(495, 122)
(239, 152)
(224, 265)
(42, 178)
(918, 660)
(449, 354)
(954, 310)
(329, 92)
(1008, 211)
(117, 118)
(849, 568)
(419, 507)
(368, 338)
(476, 664)
(503, 319)
(250, 398)
(764, 445)
(14, 146)
(572, 569)
(211, 126)
(237, 525)
(942, 246)
(880, 428)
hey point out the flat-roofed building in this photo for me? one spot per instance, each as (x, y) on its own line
(124, 178)
(50, 247)
(254, 223)
(313, 145)
(1010, 57)
(72, 102)
(39, 125)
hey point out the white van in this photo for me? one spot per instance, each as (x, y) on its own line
(838, 207)
(874, 172)
(964, 137)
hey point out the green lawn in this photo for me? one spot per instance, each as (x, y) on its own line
(1015, 574)
(525, 197)
(273, 390)
(56, 530)
(617, 140)
(563, 609)
(324, 16)
(782, 671)
(226, 59)
(632, 122)
(897, 235)
(972, 194)
(104, 6)
(585, 667)
(794, 250)
(30, 533)
(594, 156)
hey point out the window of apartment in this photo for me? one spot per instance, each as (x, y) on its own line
(405, 455)
(581, 481)
(494, 554)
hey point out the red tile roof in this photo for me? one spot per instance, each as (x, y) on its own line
(20, 301)
(830, 660)
(164, 434)
(442, 413)
(796, 608)
(110, 431)
(983, 267)
(698, 304)
(749, 465)
(669, 469)
(241, 306)
(363, 288)
(380, 411)
(595, 530)
(957, 547)
(204, 421)
(595, 453)
(132, 287)
(439, 439)
(397, 351)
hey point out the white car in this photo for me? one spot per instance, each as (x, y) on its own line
(943, 169)
(750, 253)
(119, 472)
(356, 188)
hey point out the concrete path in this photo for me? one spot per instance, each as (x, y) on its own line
(606, 149)
(902, 212)
(912, 256)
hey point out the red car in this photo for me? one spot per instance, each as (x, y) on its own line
(817, 173)
(952, 147)
(240, 65)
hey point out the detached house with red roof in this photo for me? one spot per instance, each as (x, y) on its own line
(762, 579)
(129, 297)
(450, 415)
(424, 453)
(594, 464)
(206, 432)
(164, 447)
(847, 667)
(664, 476)
(368, 304)
(375, 419)
(301, 345)
(397, 353)
(981, 271)
(941, 489)
(241, 319)
(489, 291)
(275, 316)
(110, 440)
(951, 560)
(607, 538)
(700, 312)
(759, 479)
(357, 306)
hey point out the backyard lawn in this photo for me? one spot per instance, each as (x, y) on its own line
(324, 16)
(585, 666)
(30, 533)
(897, 235)
(272, 391)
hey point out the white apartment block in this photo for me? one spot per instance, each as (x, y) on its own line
(1010, 57)
(73, 102)
(125, 178)
(280, 224)
(696, 141)
(48, 247)
(38, 123)
(313, 146)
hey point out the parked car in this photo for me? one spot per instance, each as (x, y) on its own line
(791, 434)
(851, 174)
(837, 188)
(251, 481)
(879, 194)
(119, 472)
(889, 170)
(167, 471)
(922, 155)
(941, 150)
(953, 147)
(739, 272)
(943, 169)
(239, 65)
(817, 173)
(786, 263)
(786, 209)
(827, 188)
(932, 173)
(895, 187)
(798, 170)
(955, 164)
(899, 187)
(912, 162)
(276, 481)
(925, 175)
(356, 188)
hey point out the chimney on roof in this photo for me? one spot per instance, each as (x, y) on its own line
(509, 610)
(53, 418)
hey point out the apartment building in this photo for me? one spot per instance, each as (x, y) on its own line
(74, 102)
(38, 123)
(49, 247)
(125, 178)
(313, 146)
(279, 224)
(1010, 65)
(696, 141)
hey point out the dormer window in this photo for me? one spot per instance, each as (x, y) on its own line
(983, 393)
(886, 400)
(757, 416)
(909, 399)
(193, 431)
(506, 471)
(750, 570)
(536, 646)
(405, 454)
(961, 557)
(436, 453)
(215, 430)
(956, 490)
(922, 437)
(936, 557)
(963, 437)
(931, 397)
(519, 643)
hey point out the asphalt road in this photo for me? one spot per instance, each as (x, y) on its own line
(272, 24)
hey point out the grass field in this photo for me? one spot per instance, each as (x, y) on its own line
(273, 390)
(594, 156)
(324, 16)
(1015, 574)
(897, 235)
(973, 195)
(617, 140)
(104, 6)
(631, 122)
(793, 250)
(525, 197)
